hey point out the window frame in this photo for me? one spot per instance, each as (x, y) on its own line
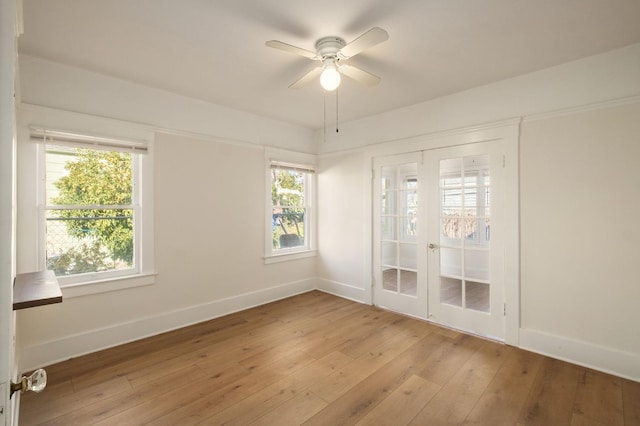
(303, 163)
(142, 273)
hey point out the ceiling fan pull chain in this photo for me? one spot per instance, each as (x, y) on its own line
(337, 110)
(324, 117)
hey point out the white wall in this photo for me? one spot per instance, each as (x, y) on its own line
(577, 288)
(580, 205)
(208, 201)
(50, 84)
(612, 75)
(342, 243)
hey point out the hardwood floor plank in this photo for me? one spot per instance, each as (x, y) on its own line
(445, 360)
(578, 419)
(207, 404)
(333, 386)
(155, 398)
(503, 399)
(359, 400)
(402, 405)
(459, 395)
(396, 325)
(553, 394)
(283, 391)
(318, 359)
(599, 398)
(58, 405)
(302, 407)
(631, 401)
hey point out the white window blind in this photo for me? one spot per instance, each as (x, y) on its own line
(78, 140)
(301, 168)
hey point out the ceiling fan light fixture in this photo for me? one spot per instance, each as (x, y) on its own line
(330, 77)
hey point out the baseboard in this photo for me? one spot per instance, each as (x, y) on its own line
(343, 290)
(54, 351)
(601, 358)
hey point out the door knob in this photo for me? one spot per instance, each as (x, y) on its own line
(36, 382)
(432, 246)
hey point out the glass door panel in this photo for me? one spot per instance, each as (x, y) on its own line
(464, 243)
(396, 278)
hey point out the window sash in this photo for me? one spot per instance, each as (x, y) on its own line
(307, 172)
(101, 144)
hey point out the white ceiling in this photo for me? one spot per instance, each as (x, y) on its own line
(214, 49)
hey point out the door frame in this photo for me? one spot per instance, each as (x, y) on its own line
(507, 131)
(9, 27)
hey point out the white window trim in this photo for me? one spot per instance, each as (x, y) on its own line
(144, 272)
(304, 162)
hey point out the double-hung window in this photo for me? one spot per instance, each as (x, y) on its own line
(91, 211)
(291, 215)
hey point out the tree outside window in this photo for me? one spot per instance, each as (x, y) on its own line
(89, 211)
(289, 209)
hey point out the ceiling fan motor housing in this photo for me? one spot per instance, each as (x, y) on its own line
(329, 47)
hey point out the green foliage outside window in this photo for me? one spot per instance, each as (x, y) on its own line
(104, 236)
(287, 194)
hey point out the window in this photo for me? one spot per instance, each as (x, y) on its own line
(290, 209)
(92, 217)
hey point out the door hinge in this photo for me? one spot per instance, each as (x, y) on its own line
(504, 310)
(373, 174)
(504, 161)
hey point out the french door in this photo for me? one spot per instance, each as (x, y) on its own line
(399, 278)
(438, 236)
(465, 237)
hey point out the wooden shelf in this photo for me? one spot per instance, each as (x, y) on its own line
(36, 289)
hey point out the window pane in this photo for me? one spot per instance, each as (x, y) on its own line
(82, 241)
(477, 296)
(388, 224)
(388, 202)
(451, 291)
(99, 237)
(451, 262)
(389, 254)
(288, 227)
(409, 228)
(287, 187)
(477, 264)
(390, 279)
(78, 176)
(408, 256)
(451, 226)
(409, 282)
(409, 200)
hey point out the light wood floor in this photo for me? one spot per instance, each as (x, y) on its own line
(317, 359)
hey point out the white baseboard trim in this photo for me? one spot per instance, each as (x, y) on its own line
(601, 358)
(343, 290)
(586, 354)
(51, 352)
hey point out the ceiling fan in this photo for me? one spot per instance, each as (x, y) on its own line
(332, 52)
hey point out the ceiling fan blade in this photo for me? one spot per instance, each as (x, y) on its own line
(291, 49)
(369, 39)
(306, 78)
(359, 75)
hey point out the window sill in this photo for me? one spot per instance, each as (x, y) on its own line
(285, 257)
(104, 286)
